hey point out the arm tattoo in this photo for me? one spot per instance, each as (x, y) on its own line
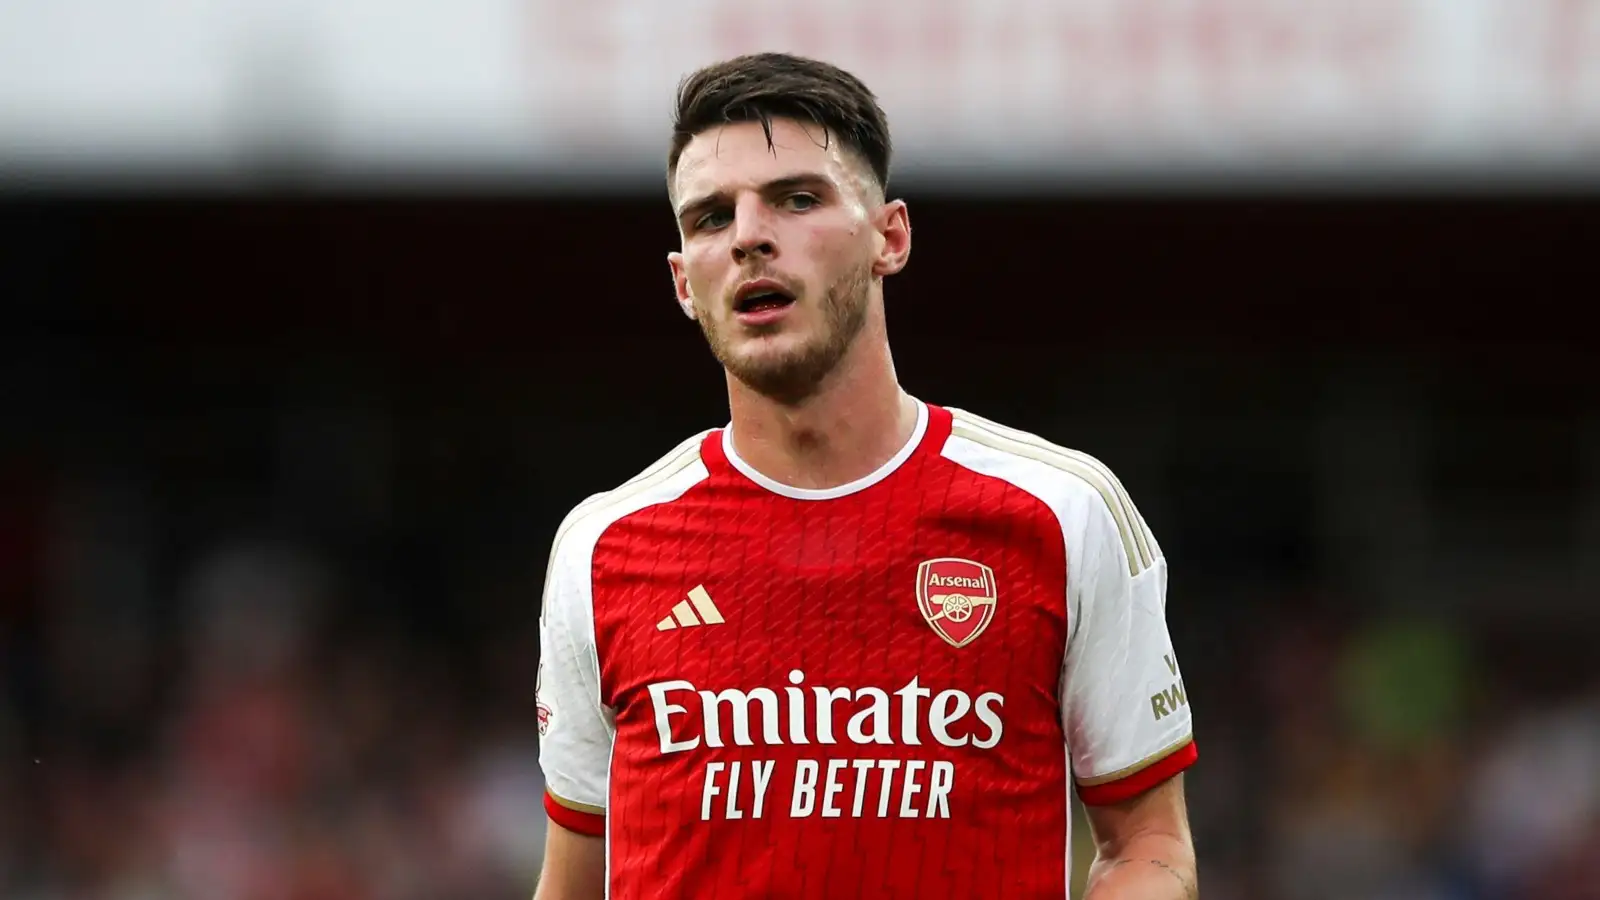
(1190, 890)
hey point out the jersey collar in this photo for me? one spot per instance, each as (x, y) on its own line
(843, 490)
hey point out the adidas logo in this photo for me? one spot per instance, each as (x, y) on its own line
(697, 610)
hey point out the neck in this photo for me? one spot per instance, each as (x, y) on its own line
(856, 421)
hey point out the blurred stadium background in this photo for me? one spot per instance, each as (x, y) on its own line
(320, 315)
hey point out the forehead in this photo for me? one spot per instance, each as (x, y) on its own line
(734, 156)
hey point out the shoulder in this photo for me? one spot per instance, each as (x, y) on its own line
(1083, 491)
(663, 481)
(1037, 465)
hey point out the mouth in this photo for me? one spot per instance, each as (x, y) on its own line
(761, 298)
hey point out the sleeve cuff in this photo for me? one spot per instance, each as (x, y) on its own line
(1135, 783)
(586, 820)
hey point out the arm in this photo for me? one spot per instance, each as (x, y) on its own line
(574, 866)
(1126, 713)
(576, 728)
(1144, 851)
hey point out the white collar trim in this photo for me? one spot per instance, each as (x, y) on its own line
(843, 490)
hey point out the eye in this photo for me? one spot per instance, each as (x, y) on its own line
(714, 219)
(801, 202)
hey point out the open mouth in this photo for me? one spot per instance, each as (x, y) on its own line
(764, 301)
(759, 298)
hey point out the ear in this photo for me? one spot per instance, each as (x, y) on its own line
(680, 283)
(894, 227)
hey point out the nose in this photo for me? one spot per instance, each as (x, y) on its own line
(752, 231)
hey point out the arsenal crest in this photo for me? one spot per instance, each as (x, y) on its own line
(957, 597)
(542, 709)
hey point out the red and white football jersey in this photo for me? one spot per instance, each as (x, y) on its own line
(886, 689)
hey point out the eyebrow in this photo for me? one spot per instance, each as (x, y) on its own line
(777, 185)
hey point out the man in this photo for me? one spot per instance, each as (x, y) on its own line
(852, 644)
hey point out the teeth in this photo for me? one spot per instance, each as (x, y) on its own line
(760, 296)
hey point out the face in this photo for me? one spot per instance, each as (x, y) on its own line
(783, 249)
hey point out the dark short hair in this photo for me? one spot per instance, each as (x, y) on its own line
(761, 87)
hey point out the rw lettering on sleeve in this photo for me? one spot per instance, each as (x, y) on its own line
(1165, 703)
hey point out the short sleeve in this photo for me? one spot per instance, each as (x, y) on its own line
(575, 729)
(1124, 708)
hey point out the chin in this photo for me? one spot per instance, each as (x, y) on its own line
(770, 349)
(762, 368)
(789, 375)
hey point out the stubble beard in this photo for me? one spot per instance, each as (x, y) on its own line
(792, 376)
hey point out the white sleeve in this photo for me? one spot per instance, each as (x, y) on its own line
(575, 729)
(1124, 710)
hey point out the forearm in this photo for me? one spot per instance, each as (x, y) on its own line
(574, 866)
(1147, 867)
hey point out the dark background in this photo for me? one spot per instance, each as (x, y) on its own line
(278, 477)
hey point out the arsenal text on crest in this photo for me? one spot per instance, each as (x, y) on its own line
(957, 598)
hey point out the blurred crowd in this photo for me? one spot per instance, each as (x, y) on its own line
(243, 738)
(260, 752)
(1400, 759)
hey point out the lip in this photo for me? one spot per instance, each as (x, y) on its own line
(756, 286)
(761, 316)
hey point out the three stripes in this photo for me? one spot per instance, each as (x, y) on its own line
(684, 614)
(1137, 542)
